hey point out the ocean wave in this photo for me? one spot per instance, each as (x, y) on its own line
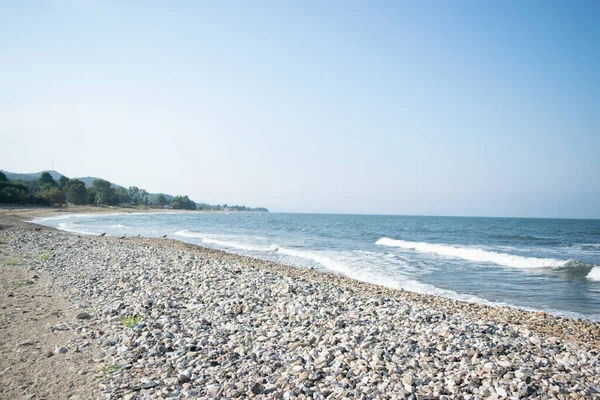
(234, 245)
(119, 226)
(360, 273)
(365, 274)
(525, 238)
(224, 243)
(188, 233)
(73, 227)
(48, 220)
(326, 262)
(585, 246)
(594, 274)
(475, 254)
(320, 259)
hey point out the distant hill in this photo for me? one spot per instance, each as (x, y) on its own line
(30, 177)
(89, 179)
(55, 174)
(13, 176)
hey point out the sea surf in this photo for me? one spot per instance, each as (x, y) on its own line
(549, 265)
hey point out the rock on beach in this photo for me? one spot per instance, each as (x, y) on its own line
(175, 321)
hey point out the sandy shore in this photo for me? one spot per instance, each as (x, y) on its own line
(164, 319)
(26, 213)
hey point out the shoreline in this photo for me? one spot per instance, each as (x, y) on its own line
(539, 332)
(42, 212)
(93, 210)
(294, 271)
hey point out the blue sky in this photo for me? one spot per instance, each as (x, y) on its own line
(429, 108)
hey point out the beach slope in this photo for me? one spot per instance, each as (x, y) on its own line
(166, 319)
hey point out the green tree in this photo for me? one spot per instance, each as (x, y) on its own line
(137, 195)
(182, 203)
(3, 177)
(48, 191)
(47, 179)
(162, 200)
(105, 193)
(90, 196)
(63, 182)
(122, 195)
(143, 197)
(76, 192)
(134, 194)
(13, 192)
(54, 196)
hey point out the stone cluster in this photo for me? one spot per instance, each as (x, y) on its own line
(179, 321)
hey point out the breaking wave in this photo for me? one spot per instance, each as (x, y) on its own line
(586, 246)
(119, 226)
(362, 272)
(73, 227)
(475, 254)
(594, 274)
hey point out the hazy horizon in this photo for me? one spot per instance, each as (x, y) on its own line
(481, 109)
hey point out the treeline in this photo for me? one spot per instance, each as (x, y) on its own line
(225, 207)
(46, 191)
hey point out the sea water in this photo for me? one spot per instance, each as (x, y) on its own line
(550, 265)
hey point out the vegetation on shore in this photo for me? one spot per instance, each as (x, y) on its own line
(46, 191)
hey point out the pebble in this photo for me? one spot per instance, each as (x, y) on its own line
(83, 315)
(184, 376)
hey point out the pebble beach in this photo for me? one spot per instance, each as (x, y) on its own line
(168, 320)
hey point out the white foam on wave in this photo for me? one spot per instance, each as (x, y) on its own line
(119, 226)
(365, 266)
(325, 261)
(475, 254)
(224, 243)
(594, 274)
(586, 246)
(190, 234)
(234, 245)
(73, 227)
(48, 220)
(364, 272)
(367, 272)
(321, 259)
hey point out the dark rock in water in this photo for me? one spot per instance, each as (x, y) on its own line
(83, 315)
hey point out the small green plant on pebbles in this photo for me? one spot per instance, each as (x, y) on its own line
(19, 284)
(45, 256)
(14, 261)
(109, 369)
(4, 238)
(130, 321)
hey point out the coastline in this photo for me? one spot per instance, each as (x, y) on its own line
(533, 333)
(29, 216)
(26, 213)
